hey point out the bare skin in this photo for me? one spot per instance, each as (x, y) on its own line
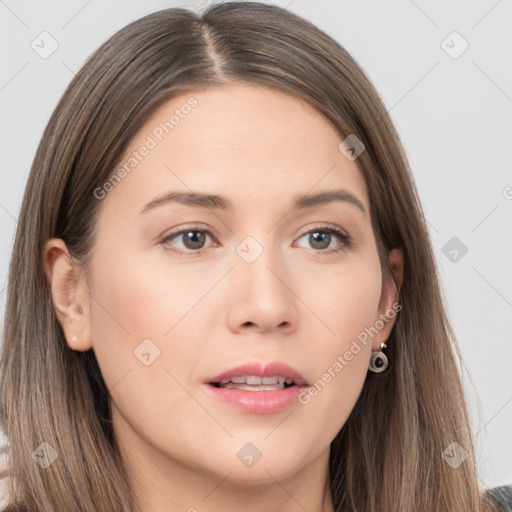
(297, 302)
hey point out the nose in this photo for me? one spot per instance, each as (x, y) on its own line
(261, 297)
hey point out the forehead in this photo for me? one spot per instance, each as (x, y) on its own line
(241, 141)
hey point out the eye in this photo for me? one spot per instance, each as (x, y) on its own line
(322, 236)
(193, 239)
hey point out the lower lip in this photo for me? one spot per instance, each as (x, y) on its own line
(258, 402)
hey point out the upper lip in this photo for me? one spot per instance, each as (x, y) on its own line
(261, 370)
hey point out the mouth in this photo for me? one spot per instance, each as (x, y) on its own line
(257, 389)
(256, 377)
(255, 383)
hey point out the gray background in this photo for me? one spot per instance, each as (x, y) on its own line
(452, 112)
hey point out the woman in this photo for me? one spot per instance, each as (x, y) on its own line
(222, 292)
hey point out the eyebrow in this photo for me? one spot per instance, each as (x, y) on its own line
(216, 202)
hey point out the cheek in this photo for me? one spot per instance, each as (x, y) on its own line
(137, 299)
(348, 308)
(149, 320)
(345, 302)
(146, 330)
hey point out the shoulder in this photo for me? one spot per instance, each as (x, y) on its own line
(502, 495)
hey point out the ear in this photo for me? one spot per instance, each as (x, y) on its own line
(69, 294)
(391, 286)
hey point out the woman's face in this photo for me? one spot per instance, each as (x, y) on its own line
(180, 292)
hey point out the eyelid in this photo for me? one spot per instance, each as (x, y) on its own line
(192, 227)
(325, 226)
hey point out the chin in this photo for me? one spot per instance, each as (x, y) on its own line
(277, 465)
(260, 474)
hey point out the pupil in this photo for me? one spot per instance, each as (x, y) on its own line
(194, 239)
(323, 238)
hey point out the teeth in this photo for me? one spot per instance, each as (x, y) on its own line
(254, 382)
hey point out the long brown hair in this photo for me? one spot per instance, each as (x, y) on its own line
(388, 455)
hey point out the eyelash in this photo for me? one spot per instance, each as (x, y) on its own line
(346, 240)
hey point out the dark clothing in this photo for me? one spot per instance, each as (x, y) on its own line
(503, 496)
